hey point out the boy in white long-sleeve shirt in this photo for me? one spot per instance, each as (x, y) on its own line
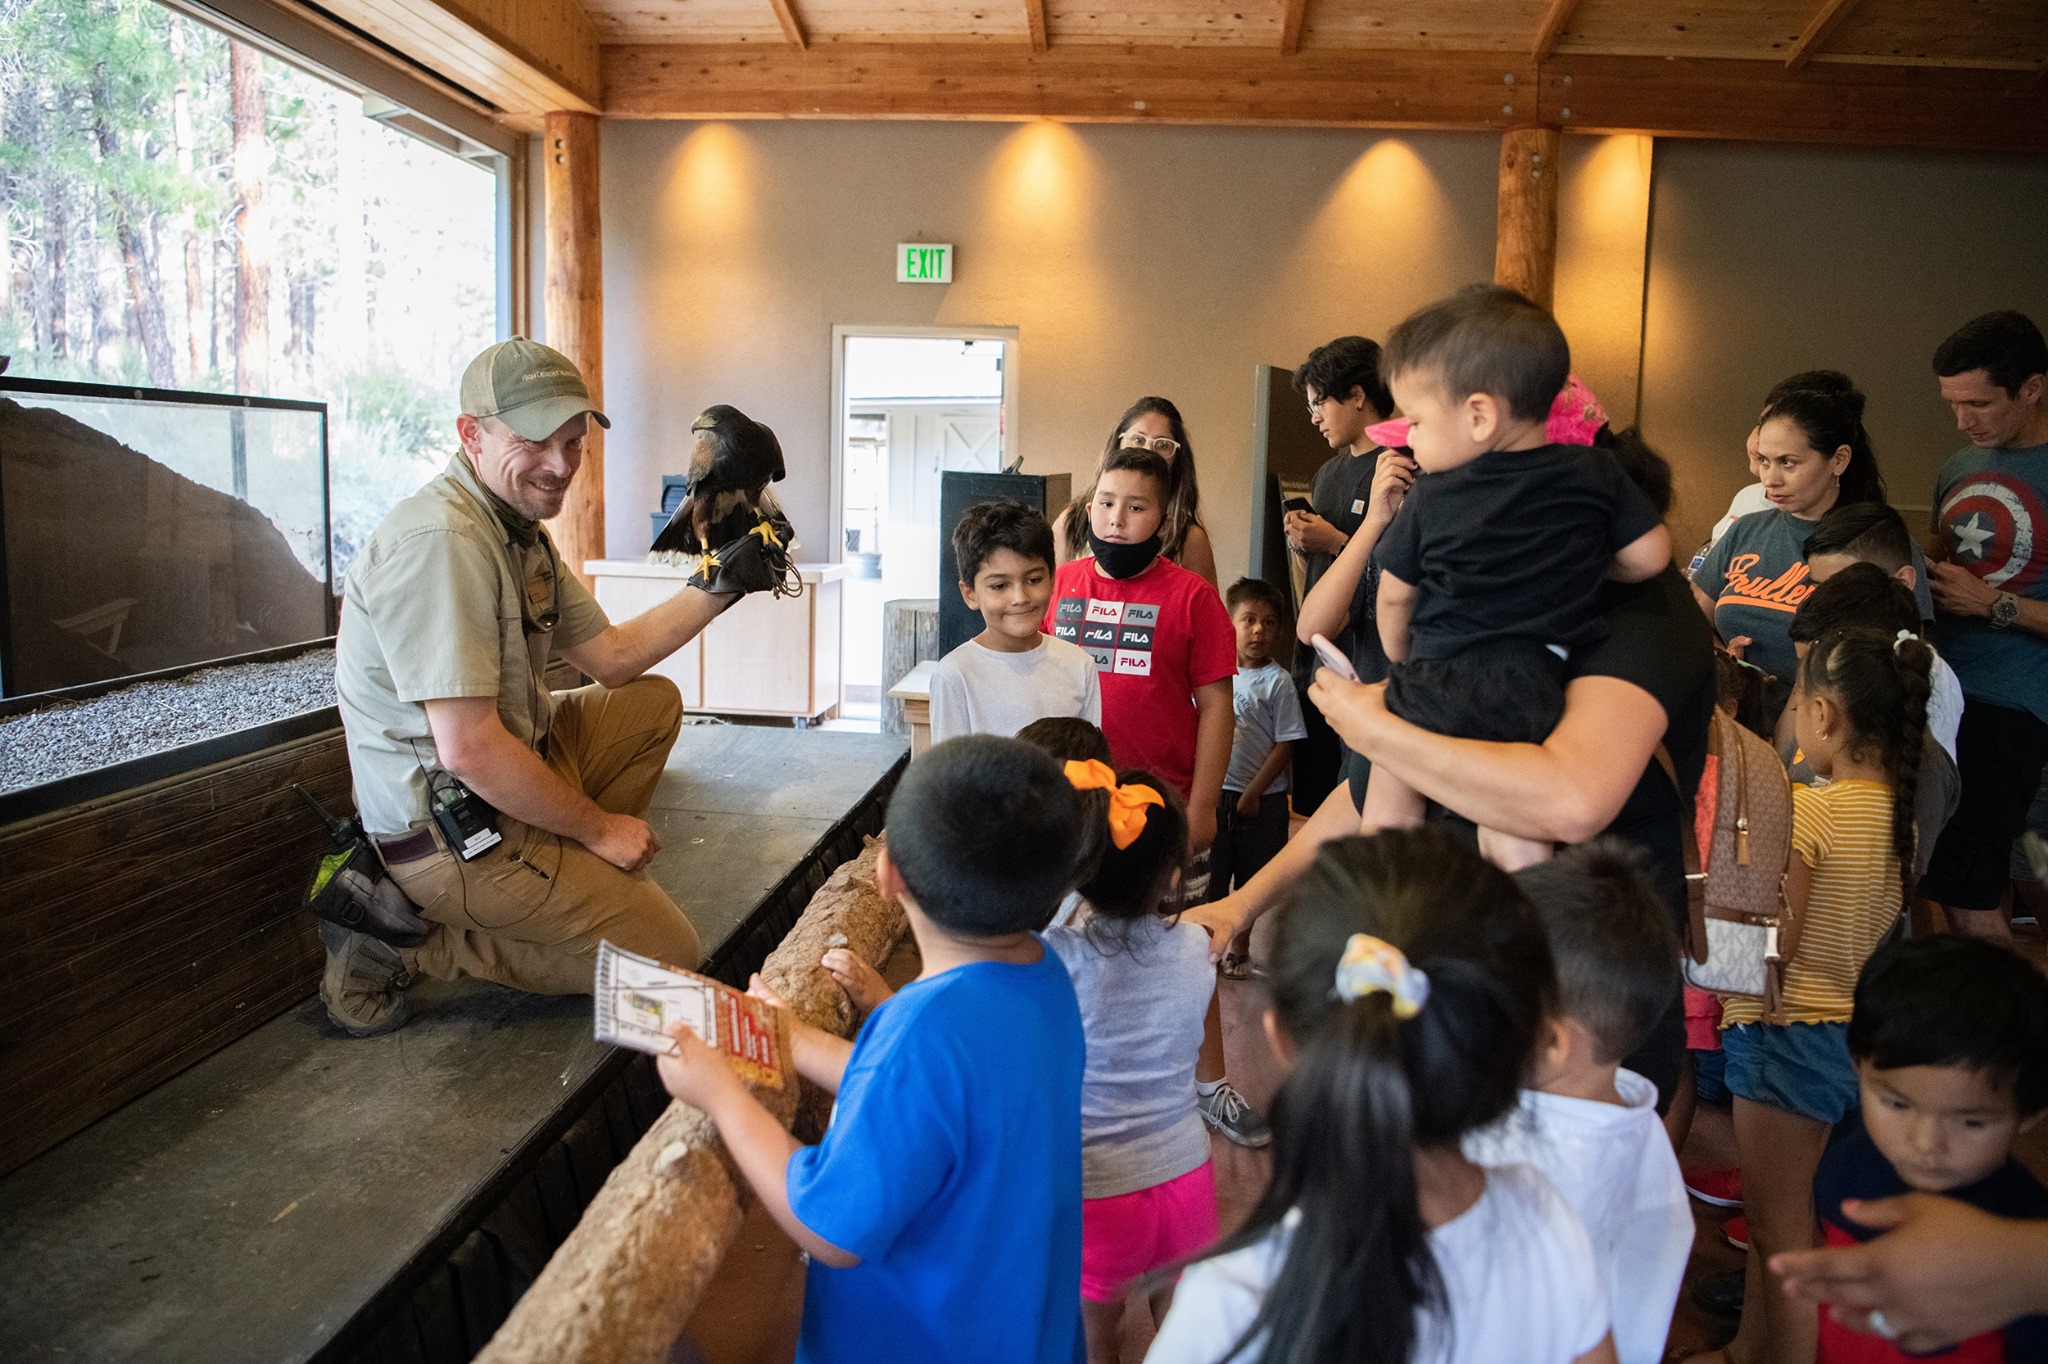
(1586, 1122)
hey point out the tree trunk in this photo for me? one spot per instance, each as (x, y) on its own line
(143, 296)
(252, 220)
(57, 224)
(187, 235)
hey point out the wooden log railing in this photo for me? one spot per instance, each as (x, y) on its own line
(621, 1288)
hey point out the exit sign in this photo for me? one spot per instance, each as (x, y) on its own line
(924, 263)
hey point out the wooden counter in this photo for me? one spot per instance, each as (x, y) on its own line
(765, 656)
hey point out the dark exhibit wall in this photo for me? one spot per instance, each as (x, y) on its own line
(1767, 260)
(1138, 260)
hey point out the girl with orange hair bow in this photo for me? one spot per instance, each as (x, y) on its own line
(1143, 980)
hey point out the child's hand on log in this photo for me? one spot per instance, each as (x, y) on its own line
(693, 1072)
(863, 983)
(763, 991)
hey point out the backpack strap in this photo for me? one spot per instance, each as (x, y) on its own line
(1689, 853)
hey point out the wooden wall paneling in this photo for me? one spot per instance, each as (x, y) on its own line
(1034, 24)
(1525, 242)
(1817, 31)
(525, 56)
(1425, 25)
(150, 929)
(1971, 33)
(1825, 101)
(575, 313)
(1084, 83)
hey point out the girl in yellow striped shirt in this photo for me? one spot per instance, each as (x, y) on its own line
(1862, 716)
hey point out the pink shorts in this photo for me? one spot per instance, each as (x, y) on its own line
(1129, 1235)
(1702, 1020)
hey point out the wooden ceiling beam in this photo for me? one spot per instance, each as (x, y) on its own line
(792, 27)
(1293, 14)
(1083, 83)
(1827, 102)
(1817, 31)
(1824, 102)
(526, 57)
(1034, 22)
(1547, 33)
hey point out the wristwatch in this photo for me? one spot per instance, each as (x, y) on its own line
(2004, 611)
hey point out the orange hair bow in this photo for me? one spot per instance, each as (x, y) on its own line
(1126, 803)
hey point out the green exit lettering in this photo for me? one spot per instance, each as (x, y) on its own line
(924, 264)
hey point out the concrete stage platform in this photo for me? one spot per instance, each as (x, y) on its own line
(301, 1195)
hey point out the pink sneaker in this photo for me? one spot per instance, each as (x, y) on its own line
(1722, 1188)
(1735, 1231)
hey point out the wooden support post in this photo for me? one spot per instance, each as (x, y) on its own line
(1525, 247)
(621, 1288)
(575, 315)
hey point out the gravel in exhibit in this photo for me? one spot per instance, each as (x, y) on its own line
(77, 736)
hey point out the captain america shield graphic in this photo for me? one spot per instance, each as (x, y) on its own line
(1992, 521)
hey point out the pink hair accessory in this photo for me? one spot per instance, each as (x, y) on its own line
(1575, 416)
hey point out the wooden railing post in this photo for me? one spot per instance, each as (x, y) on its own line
(1525, 247)
(575, 314)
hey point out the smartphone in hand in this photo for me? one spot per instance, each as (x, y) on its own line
(1300, 504)
(1333, 659)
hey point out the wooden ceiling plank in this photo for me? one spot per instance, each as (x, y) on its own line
(527, 57)
(1085, 82)
(1817, 31)
(792, 27)
(1826, 102)
(1684, 97)
(1034, 21)
(1554, 20)
(1292, 15)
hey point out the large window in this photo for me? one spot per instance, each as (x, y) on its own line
(180, 209)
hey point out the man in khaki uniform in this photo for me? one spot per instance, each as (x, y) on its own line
(449, 616)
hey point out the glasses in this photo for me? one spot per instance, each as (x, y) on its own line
(1158, 445)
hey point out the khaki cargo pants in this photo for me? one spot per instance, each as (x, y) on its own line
(529, 912)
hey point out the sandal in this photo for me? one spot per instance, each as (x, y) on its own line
(1234, 966)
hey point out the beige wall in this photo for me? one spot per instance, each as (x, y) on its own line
(1172, 260)
(1131, 260)
(1767, 260)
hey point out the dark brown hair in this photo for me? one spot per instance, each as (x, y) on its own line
(1485, 338)
(1180, 498)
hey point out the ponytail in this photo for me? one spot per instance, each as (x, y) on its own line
(1913, 662)
(1370, 1086)
(1882, 685)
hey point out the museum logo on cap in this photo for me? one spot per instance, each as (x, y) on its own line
(531, 388)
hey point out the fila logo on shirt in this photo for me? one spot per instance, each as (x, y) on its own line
(1994, 522)
(1117, 635)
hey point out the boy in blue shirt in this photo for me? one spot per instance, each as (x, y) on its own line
(942, 1211)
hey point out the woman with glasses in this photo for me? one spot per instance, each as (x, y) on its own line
(1153, 424)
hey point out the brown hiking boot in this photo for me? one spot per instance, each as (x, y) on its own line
(364, 984)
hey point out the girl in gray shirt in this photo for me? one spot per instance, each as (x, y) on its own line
(1143, 982)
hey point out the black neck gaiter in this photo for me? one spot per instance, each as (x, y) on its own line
(1123, 561)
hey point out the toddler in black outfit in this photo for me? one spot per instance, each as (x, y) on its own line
(1491, 572)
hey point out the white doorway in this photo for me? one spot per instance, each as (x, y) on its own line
(908, 404)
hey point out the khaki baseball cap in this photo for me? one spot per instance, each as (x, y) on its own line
(530, 387)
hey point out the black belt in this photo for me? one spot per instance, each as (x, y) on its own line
(407, 847)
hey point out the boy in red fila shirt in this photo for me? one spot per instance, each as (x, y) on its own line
(1164, 648)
